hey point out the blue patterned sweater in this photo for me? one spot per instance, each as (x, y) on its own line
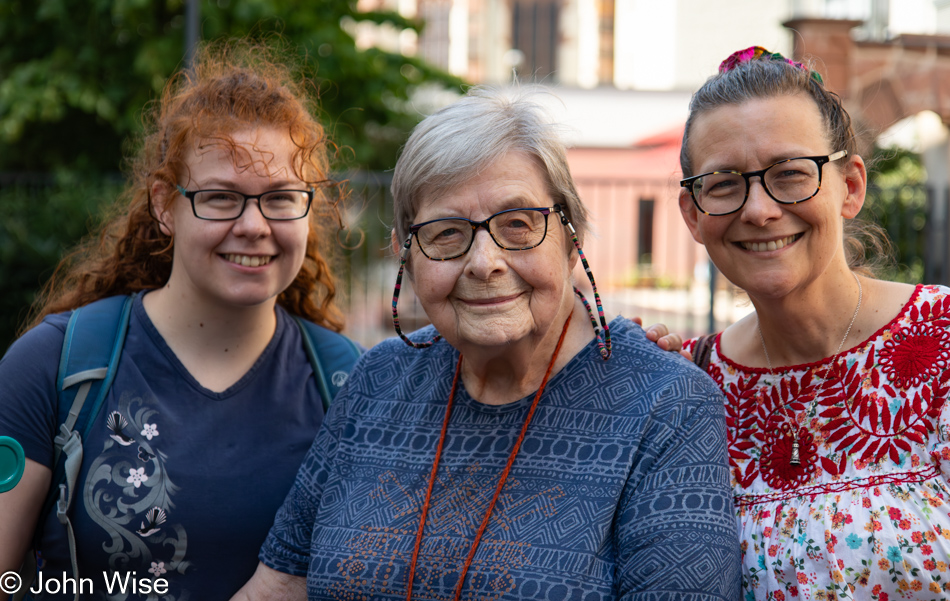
(620, 491)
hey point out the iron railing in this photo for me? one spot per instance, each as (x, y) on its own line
(915, 217)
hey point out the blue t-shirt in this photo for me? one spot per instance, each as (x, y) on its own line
(620, 491)
(177, 481)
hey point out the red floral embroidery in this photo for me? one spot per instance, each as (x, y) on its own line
(915, 354)
(861, 526)
(864, 427)
(775, 466)
(740, 425)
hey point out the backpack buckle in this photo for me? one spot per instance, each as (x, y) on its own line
(62, 505)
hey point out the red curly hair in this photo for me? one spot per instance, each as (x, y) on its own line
(234, 86)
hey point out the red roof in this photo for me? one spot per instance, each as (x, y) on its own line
(655, 157)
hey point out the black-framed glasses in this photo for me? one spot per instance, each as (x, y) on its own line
(789, 182)
(604, 345)
(451, 237)
(227, 205)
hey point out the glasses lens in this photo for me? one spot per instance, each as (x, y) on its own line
(218, 204)
(285, 204)
(444, 238)
(517, 230)
(511, 230)
(793, 181)
(718, 193)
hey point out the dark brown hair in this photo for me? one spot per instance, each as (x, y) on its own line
(866, 245)
(234, 86)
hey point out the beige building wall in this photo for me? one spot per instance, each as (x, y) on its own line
(611, 58)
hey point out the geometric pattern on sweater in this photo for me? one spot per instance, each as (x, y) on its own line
(621, 486)
(866, 514)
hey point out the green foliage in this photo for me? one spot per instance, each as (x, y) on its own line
(897, 201)
(366, 94)
(42, 217)
(76, 73)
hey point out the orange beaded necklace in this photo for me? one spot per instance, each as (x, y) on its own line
(501, 480)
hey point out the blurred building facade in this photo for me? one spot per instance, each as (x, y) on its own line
(622, 71)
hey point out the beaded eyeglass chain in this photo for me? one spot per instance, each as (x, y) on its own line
(602, 334)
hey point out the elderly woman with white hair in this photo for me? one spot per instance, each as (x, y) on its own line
(509, 450)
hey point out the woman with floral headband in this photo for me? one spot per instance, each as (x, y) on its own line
(835, 386)
(510, 451)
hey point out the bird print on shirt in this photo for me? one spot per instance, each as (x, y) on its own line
(154, 518)
(116, 422)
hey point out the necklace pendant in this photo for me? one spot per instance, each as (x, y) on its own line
(794, 459)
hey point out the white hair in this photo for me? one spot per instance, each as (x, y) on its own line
(454, 144)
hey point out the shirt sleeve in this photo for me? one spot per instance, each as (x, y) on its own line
(677, 534)
(287, 546)
(940, 441)
(28, 389)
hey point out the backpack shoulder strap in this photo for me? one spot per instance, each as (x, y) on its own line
(332, 356)
(93, 345)
(91, 350)
(702, 350)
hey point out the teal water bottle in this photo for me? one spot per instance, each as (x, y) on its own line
(12, 462)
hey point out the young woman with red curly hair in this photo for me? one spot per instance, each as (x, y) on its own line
(214, 403)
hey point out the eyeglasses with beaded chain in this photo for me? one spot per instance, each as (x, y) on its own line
(513, 230)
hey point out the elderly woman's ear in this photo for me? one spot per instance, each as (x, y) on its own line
(568, 223)
(399, 248)
(395, 241)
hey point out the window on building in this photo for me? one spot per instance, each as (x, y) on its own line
(645, 233)
(534, 32)
(605, 68)
(434, 41)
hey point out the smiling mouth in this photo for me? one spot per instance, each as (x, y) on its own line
(761, 247)
(496, 300)
(247, 260)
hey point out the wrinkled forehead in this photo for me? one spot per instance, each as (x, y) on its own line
(432, 191)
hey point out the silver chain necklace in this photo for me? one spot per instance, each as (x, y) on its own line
(795, 459)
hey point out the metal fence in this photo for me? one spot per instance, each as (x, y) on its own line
(915, 217)
(365, 265)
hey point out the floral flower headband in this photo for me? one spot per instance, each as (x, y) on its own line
(754, 53)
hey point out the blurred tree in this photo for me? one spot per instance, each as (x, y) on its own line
(41, 215)
(897, 201)
(76, 73)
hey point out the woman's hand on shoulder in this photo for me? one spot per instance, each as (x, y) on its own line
(661, 335)
(267, 584)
